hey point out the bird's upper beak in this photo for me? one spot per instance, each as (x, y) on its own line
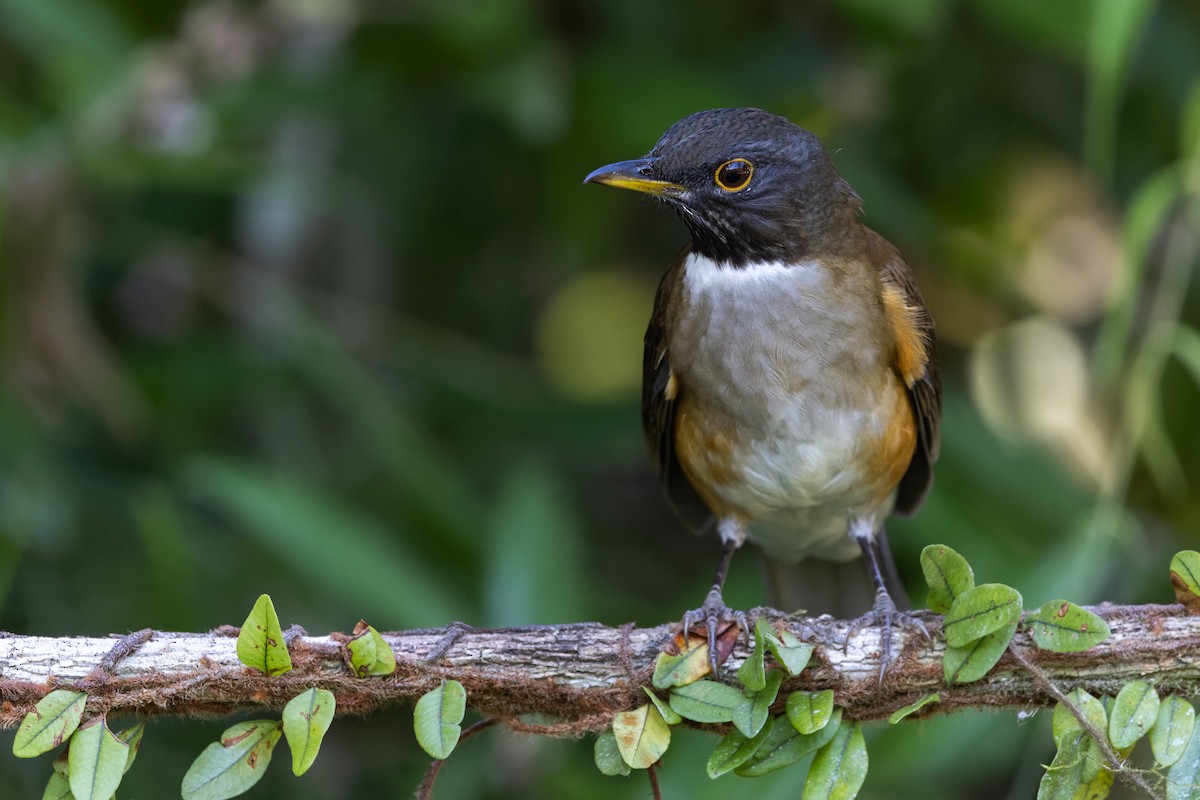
(634, 175)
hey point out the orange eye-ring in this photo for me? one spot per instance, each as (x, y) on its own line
(734, 175)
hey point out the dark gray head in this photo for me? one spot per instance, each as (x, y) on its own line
(751, 186)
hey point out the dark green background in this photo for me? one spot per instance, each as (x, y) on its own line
(290, 297)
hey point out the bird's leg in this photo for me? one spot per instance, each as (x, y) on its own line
(714, 611)
(884, 611)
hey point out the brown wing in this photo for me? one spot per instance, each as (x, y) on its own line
(660, 399)
(917, 365)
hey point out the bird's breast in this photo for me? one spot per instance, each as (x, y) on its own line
(789, 411)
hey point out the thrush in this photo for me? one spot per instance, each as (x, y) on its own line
(790, 390)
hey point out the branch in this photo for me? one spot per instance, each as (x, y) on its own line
(580, 674)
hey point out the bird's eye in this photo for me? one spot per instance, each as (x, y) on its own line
(734, 175)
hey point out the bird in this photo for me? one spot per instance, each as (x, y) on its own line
(791, 394)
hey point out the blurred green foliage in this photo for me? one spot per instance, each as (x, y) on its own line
(304, 297)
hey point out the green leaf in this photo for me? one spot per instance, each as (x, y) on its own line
(52, 721)
(1185, 579)
(369, 653)
(642, 736)
(260, 642)
(232, 765)
(976, 659)
(706, 701)
(57, 788)
(1133, 713)
(752, 714)
(684, 667)
(1064, 722)
(1076, 772)
(132, 736)
(948, 575)
(840, 767)
(437, 718)
(668, 714)
(1172, 730)
(785, 746)
(306, 717)
(810, 711)
(791, 653)
(608, 755)
(95, 761)
(752, 674)
(735, 749)
(901, 713)
(1064, 627)
(979, 611)
(1183, 777)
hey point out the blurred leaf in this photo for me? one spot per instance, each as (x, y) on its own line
(840, 766)
(900, 713)
(973, 661)
(96, 761)
(810, 711)
(1183, 777)
(948, 575)
(785, 746)
(979, 611)
(367, 566)
(642, 736)
(437, 718)
(1116, 26)
(608, 756)
(533, 570)
(1064, 627)
(52, 721)
(736, 749)
(260, 642)
(1172, 730)
(706, 701)
(232, 765)
(1133, 713)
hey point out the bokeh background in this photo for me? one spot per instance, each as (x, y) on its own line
(305, 297)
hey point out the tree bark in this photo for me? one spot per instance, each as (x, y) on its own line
(578, 674)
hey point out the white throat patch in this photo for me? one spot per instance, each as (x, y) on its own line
(702, 275)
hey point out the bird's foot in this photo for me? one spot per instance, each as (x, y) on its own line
(716, 617)
(886, 615)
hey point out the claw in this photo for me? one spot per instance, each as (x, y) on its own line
(885, 613)
(716, 617)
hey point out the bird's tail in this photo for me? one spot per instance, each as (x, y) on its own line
(843, 589)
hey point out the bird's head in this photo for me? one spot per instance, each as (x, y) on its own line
(751, 186)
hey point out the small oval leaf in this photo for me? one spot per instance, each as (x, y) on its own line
(642, 736)
(901, 713)
(785, 746)
(810, 711)
(260, 641)
(1172, 730)
(1185, 579)
(1064, 723)
(437, 718)
(752, 714)
(752, 674)
(1078, 771)
(948, 575)
(95, 761)
(608, 755)
(979, 611)
(975, 660)
(369, 653)
(840, 767)
(1183, 777)
(306, 718)
(706, 701)
(232, 765)
(1063, 627)
(735, 749)
(686, 661)
(791, 653)
(52, 721)
(1133, 713)
(57, 788)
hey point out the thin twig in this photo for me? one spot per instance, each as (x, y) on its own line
(425, 790)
